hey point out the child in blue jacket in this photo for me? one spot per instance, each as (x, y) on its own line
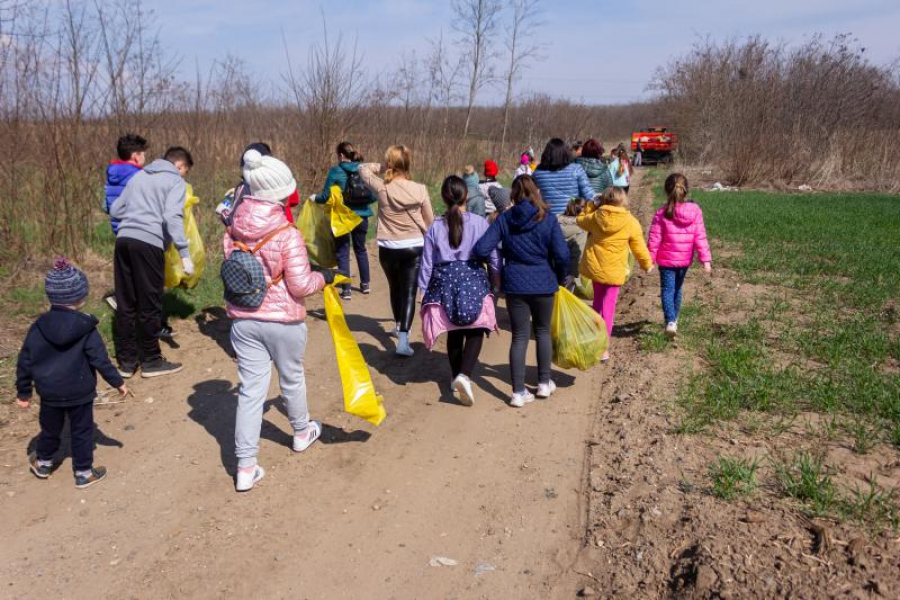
(132, 152)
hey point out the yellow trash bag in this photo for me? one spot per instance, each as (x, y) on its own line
(343, 219)
(174, 273)
(629, 267)
(315, 228)
(360, 398)
(584, 288)
(578, 333)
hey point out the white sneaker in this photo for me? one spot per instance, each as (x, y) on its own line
(403, 348)
(306, 439)
(111, 300)
(463, 386)
(671, 328)
(247, 479)
(520, 400)
(545, 390)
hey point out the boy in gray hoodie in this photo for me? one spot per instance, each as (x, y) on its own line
(151, 212)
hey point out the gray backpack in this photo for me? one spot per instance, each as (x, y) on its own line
(243, 275)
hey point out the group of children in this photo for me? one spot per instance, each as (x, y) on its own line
(460, 262)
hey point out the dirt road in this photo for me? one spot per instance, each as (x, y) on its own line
(362, 514)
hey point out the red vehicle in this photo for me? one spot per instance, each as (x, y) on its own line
(657, 144)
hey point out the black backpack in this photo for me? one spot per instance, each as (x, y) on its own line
(356, 193)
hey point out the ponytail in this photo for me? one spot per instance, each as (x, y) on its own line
(454, 192)
(676, 187)
(347, 150)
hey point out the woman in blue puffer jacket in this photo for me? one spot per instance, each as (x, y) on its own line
(559, 179)
(535, 264)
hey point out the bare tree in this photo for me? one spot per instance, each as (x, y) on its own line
(476, 22)
(524, 16)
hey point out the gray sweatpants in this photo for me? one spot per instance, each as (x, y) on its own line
(258, 344)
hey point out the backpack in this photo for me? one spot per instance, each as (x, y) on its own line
(243, 275)
(356, 193)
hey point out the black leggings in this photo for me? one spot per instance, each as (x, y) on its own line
(527, 313)
(401, 266)
(463, 348)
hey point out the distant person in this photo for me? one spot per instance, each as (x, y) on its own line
(62, 353)
(638, 154)
(676, 235)
(500, 199)
(620, 170)
(359, 198)
(491, 170)
(576, 149)
(477, 202)
(151, 211)
(535, 264)
(404, 216)
(526, 164)
(274, 331)
(576, 237)
(131, 150)
(612, 233)
(235, 195)
(559, 179)
(593, 165)
(456, 290)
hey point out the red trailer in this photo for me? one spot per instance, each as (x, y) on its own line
(657, 144)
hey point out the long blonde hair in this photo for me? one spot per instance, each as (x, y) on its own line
(677, 188)
(397, 159)
(622, 156)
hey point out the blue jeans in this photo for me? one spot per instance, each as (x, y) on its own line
(357, 238)
(670, 281)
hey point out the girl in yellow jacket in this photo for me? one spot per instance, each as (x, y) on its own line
(612, 231)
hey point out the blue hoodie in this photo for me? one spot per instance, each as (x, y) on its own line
(535, 254)
(118, 173)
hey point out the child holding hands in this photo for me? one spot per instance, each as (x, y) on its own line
(612, 232)
(676, 234)
(60, 357)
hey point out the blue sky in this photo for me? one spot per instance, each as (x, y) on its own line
(598, 51)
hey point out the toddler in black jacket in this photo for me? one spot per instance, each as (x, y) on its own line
(60, 358)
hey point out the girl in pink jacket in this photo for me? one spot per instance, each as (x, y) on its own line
(275, 331)
(677, 232)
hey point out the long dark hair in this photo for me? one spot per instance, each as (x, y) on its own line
(676, 187)
(347, 150)
(455, 192)
(556, 156)
(524, 188)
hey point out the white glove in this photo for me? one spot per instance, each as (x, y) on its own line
(312, 197)
(187, 265)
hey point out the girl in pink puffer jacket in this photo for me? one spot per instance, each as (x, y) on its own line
(676, 234)
(275, 331)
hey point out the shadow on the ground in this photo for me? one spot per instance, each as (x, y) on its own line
(631, 330)
(65, 446)
(213, 406)
(215, 324)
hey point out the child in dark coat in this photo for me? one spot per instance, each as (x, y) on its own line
(60, 358)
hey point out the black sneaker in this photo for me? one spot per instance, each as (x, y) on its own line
(346, 294)
(166, 333)
(128, 370)
(364, 288)
(97, 475)
(40, 471)
(158, 367)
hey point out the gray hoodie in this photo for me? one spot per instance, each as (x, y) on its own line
(151, 209)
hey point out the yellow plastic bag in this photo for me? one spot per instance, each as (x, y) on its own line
(343, 219)
(360, 398)
(584, 288)
(174, 273)
(629, 267)
(578, 333)
(315, 228)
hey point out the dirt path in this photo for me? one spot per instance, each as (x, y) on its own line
(361, 515)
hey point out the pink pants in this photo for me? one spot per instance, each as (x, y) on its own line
(605, 297)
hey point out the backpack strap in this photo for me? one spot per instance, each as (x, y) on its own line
(268, 238)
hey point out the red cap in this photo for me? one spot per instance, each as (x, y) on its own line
(490, 168)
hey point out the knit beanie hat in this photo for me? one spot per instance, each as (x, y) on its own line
(65, 284)
(490, 168)
(260, 147)
(500, 197)
(268, 177)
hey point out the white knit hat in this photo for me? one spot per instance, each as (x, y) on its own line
(268, 177)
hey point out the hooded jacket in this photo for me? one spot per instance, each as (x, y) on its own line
(61, 356)
(284, 254)
(535, 254)
(558, 187)
(623, 180)
(597, 173)
(612, 231)
(118, 174)
(151, 209)
(476, 204)
(337, 175)
(673, 242)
